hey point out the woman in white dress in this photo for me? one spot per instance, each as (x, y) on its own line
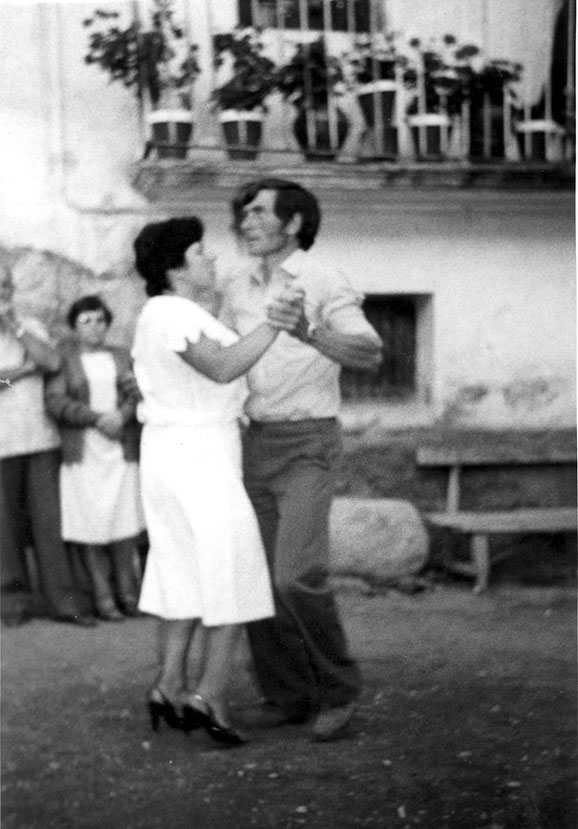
(99, 478)
(206, 568)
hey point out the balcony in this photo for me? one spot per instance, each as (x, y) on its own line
(370, 111)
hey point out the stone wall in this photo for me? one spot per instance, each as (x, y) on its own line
(47, 284)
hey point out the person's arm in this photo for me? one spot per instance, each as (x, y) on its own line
(342, 334)
(9, 376)
(34, 340)
(225, 363)
(127, 387)
(355, 351)
(347, 337)
(64, 408)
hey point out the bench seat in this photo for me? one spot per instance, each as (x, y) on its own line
(479, 526)
(541, 520)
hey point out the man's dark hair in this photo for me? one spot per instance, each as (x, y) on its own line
(88, 303)
(290, 198)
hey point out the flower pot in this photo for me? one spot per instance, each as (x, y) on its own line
(540, 140)
(375, 96)
(313, 133)
(172, 130)
(243, 132)
(432, 126)
(495, 121)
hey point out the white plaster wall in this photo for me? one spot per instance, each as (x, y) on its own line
(499, 266)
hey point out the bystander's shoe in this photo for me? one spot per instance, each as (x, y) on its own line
(332, 723)
(107, 610)
(84, 620)
(16, 618)
(269, 715)
(129, 607)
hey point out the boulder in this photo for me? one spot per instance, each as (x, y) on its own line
(379, 539)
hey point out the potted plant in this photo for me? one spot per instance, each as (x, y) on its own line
(373, 65)
(157, 62)
(241, 99)
(490, 92)
(439, 77)
(310, 80)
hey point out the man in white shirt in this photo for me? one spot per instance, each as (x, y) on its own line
(291, 450)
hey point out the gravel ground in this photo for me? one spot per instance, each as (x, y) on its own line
(467, 721)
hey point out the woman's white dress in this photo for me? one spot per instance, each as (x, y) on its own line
(206, 559)
(100, 495)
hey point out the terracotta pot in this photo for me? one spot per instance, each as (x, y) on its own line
(432, 124)
(172, 130)
(242, 131)
(312, 132)
(544, 141)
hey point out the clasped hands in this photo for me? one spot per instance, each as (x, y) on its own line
(286, 312)
(110, 424)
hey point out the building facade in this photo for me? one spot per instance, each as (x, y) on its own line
(472, 288)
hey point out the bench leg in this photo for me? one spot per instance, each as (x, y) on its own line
(480, 551)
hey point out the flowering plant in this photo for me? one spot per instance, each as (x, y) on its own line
(310, 76)
(454, 73)
(157, 58)
(253, 75)
(374, 58)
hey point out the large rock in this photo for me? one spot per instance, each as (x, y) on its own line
(380, 539)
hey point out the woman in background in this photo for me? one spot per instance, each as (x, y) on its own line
(206, 569)
(99, 479)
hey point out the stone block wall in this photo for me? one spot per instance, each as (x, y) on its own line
(48, 283)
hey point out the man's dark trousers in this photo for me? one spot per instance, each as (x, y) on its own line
(301, 655)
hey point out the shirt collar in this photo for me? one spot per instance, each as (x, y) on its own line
(293, 265)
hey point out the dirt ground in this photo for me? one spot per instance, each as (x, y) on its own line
(467, 721)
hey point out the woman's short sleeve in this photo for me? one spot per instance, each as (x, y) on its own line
(188, 322)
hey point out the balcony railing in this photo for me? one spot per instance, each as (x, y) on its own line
(388, 118)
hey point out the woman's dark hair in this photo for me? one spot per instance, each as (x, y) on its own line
(88, 303)
(161, 246)
(290, 198)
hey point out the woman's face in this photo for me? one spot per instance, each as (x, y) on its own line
(91, 328)
(198, 275)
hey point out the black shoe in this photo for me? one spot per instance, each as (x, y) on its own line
(160, 708)
(84, 620)
(194, 718)
(16, 619)
(129, 608)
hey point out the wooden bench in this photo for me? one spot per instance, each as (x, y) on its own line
(480, 525)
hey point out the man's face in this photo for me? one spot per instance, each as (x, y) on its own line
(263, 231)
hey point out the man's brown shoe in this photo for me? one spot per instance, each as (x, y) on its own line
(331, 723)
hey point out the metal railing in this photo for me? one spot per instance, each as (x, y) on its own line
(484, 129)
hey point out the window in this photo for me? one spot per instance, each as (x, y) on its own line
(395, 318)
(345, 15)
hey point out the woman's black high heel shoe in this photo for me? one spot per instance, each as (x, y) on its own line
(195, 718)
(160, 708)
